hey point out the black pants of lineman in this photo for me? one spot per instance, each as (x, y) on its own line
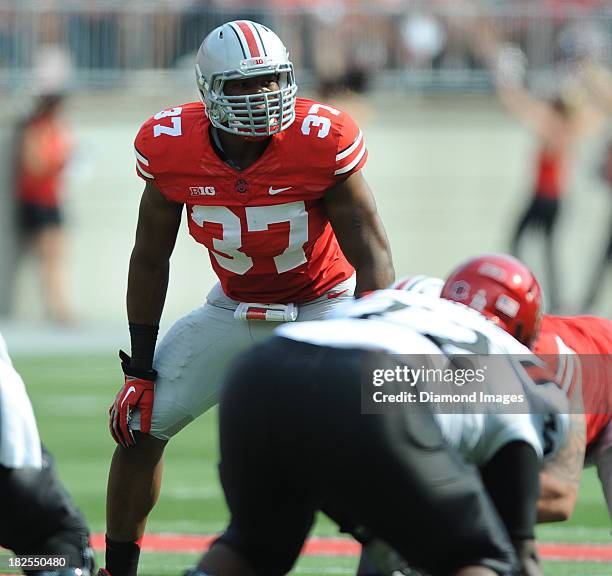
(38, 517)
(596, 283)
(542, 214)
(294, 441)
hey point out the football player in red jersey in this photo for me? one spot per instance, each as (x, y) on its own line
(580, 349)
(272, 187)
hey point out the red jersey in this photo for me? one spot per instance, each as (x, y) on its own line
(591, 339)
(41, 182)
(549, 177)
(265, 227)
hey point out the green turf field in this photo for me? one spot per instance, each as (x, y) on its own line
(71, 396)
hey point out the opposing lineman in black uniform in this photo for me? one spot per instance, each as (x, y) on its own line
(294, 440)
(38, 517)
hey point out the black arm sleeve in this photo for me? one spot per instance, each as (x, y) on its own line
(516, 501)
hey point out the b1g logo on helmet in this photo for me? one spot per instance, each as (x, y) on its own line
(259, 61)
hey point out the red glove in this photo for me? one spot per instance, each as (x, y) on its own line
(137, 392)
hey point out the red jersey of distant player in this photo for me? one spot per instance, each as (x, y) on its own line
(591, 339)
(265, 227)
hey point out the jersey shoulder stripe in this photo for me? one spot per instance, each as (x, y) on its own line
(351, 165)
(140, 162)
(327, 138)
(351, 156)
(350, 149)
(165, 139)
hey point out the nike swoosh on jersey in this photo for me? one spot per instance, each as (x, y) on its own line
(273, 190)
(129, 391)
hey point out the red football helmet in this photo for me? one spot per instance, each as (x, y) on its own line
(503, 289)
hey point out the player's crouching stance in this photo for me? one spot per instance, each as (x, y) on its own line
(291, 425)
(37, 516)
(273, 188)
(579, 348)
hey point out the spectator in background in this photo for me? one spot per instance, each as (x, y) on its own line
(424, 39)
(43, 147)
(8, 36)
(598, 80)
(558, 123)
(603, 264)
(198, 17)
(553, 122)
(93, 36)
(346, 48)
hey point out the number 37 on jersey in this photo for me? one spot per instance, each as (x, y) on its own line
(268, 219)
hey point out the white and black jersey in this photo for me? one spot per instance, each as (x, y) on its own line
(19, 440)
(415, 324)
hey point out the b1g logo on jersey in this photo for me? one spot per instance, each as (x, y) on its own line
(202, 190)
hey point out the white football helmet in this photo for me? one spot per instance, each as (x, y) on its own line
(245, 49)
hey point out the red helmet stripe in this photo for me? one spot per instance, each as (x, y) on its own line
(249, 36)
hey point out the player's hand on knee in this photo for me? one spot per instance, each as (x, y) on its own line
(137, 392)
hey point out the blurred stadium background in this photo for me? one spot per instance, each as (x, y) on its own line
(451, 171)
